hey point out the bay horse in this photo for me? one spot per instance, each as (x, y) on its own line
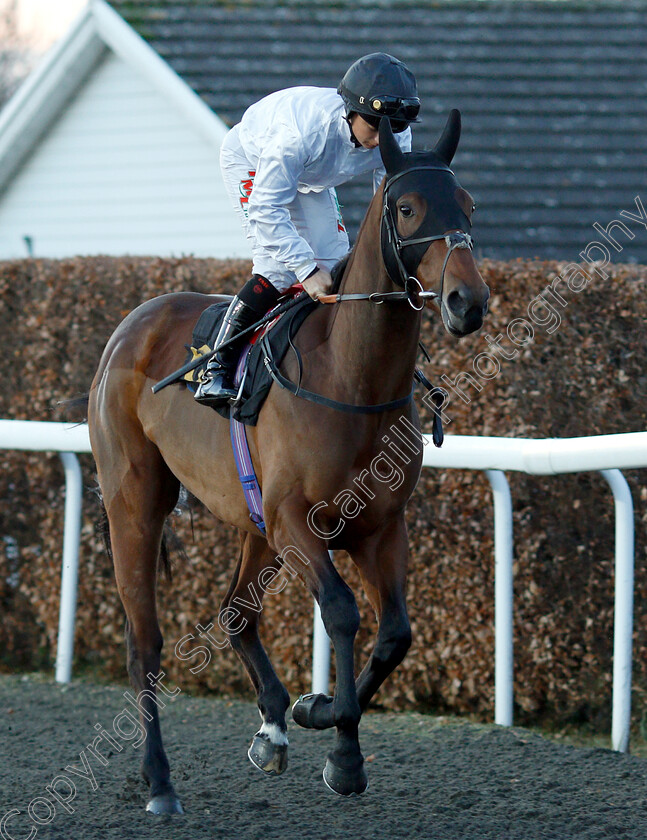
(313, 462)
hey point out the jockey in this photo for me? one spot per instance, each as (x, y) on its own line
(280, 166)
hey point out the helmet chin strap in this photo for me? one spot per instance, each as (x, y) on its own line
(354, 139)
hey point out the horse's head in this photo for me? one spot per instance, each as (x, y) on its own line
(426, 221)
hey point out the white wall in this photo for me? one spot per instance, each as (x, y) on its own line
(120, 172)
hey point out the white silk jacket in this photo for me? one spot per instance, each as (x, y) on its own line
(298, 140)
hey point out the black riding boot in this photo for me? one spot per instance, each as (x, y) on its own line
(217, 387)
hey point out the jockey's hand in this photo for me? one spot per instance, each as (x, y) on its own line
(318, 284)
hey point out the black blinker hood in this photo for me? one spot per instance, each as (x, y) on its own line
(428, 176)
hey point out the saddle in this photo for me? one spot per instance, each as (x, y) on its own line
(252, 371)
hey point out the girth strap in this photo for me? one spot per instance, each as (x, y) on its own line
(243, 458)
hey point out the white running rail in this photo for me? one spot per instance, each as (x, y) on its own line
(605, 453)
(37, 436)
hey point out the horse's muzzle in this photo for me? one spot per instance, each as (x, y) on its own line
(463, 311)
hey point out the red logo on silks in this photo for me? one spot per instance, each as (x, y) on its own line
(258, 290)
(340, 221)
(246, 186)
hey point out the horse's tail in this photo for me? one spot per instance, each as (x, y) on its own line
(75, 409)
(172, 549)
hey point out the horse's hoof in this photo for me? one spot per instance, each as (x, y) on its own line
(165, 803)
(344, 782)
(268, 757)
(313, 711)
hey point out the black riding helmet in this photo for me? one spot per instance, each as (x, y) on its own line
(379, 85)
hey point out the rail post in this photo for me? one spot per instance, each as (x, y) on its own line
(623, 609)
(503, 621)
(70, 564)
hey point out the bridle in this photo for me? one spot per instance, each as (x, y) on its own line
(392, 244)
(401, 269)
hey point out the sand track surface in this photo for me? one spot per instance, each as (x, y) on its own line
(428, 778)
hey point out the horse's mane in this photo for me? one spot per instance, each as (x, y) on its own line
(337, 272)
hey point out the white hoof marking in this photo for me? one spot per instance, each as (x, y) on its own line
(274, 733)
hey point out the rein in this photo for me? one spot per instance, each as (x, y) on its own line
(349, 408)
(382, 297)
(412, 292)
(437, 394)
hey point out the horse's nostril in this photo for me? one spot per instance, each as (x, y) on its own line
(459, 301)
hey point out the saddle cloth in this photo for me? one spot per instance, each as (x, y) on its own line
(257, 380)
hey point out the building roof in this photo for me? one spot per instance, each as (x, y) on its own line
(553, 94)
(104, 149)
(40, 101)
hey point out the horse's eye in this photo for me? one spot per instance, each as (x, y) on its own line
(473, 208)
(406, 211)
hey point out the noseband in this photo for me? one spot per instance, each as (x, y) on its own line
(392, 246)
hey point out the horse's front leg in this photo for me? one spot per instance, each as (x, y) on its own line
(344, 772)
(257, 568)
(382, 563)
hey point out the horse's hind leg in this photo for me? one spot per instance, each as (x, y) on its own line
(137, 509)
(256, 573)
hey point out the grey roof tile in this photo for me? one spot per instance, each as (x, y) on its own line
(553, 95)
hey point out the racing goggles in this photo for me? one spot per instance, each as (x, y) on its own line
(397, 126)
(394, 106)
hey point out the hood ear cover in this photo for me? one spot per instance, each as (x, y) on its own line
(446, 147)
(393, 157)
(391, 153)
(438, 183)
